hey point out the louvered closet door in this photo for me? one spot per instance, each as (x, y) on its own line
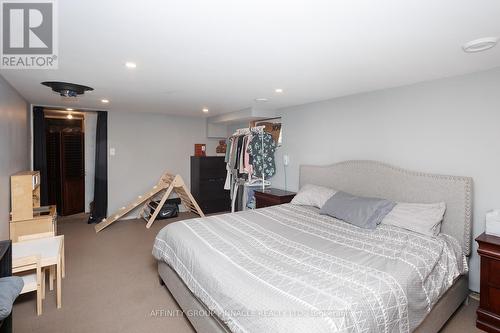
(73, 174)
(54, 168)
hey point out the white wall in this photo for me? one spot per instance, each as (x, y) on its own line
(147, 145)
(14, 146)
(449, 126)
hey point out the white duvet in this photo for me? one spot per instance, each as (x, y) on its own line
(288, 269)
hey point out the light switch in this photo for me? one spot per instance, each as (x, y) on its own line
(112, 151)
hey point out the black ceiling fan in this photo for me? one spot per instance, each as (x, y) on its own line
(67, 89)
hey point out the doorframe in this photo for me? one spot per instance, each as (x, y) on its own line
(64, 195)
(55, 107)
(62, 108)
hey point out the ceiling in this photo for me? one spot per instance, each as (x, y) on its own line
(222, 54)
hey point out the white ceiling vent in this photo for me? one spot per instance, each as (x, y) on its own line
(481, 44)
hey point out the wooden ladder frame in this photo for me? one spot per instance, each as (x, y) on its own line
(168, 183)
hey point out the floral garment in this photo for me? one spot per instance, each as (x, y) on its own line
(263, 156)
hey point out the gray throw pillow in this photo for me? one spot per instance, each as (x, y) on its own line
(363, 212)
(10, 288)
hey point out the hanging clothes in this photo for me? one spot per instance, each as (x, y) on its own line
(228, 149)
(262, 149)
(247, 165)
(242, 155)
(248, 150)
(229, 144)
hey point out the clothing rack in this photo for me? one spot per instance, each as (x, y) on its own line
(258, 130)
(242, 177)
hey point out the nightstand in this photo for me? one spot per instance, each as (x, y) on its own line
(271, 197)
(488, 313)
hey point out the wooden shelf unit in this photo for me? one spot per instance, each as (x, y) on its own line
(27, 217)
(25, 194)
(44, 220)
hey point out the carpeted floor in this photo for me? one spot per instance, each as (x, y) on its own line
(111, 285)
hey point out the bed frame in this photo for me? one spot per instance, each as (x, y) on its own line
(370, 178)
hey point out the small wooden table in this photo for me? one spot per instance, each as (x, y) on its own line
(488, 313)
(271, 197)
(51, 252)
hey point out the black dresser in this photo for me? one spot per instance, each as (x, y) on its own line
(208, 175)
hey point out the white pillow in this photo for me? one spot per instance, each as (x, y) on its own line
(422, 218)
(313, 195)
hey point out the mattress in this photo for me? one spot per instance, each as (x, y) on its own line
(287, 268)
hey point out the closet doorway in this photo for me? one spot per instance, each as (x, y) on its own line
(65, 142)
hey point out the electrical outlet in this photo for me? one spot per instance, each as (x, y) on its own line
(112, 151)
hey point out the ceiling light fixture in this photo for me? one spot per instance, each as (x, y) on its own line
(481, 44)
(129, 64)
(105, 101)
(261, 100)
(205, 110)
(66, 89)
(69, 109)
(278, 91)
(69, 116)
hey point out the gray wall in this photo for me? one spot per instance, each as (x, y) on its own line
(147, 145)
(449, 126)
(231, 128)
(14, 146)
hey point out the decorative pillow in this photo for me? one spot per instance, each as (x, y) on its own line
(422, 218)
(313, 195)
(10, 288)
(363, 212)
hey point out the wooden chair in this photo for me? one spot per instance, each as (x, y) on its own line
(32, 281)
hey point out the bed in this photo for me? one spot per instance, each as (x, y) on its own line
(287, 268)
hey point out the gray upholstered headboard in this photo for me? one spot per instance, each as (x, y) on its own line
(370, 178)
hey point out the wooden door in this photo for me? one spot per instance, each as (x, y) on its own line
(72, 173)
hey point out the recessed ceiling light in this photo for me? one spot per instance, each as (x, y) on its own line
(105, 101)
(205, 110)
(261, 100)
(279, 90)
(69, 109)
(129, 64)
(69, 116)
(481, 44)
